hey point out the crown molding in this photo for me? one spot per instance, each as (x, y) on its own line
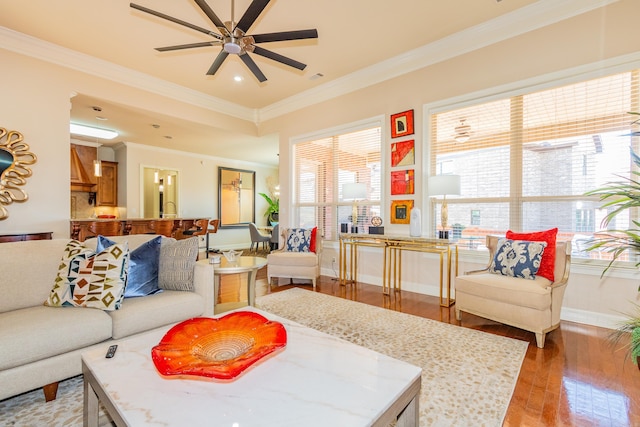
(528, 18)
(520, 21)
(39, 49)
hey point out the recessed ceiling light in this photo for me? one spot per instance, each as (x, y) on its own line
(101, 118)
(316, 76)
(155, 126)
(238, 78)
(168, 136)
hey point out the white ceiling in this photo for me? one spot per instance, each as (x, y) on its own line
(353, 35)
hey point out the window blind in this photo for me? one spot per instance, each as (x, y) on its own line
(530, 158)
(323, 165)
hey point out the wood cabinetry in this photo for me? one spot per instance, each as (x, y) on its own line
(21, 237)
(108, 185)
(81, 173)
(79, 228)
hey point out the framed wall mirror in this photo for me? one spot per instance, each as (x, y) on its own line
(236, 197)
(159, 192)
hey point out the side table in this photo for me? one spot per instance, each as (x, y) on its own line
(244, 264)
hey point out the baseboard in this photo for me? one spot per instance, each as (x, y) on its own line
(568, 314)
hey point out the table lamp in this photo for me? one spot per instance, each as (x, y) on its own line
(441, 185)
(354, 191)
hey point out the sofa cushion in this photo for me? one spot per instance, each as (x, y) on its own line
(177, 262)
(34, 333)
(548, 262)
(142, 278)
(90, 279)
(517, 258)
(511, 290)
(142, 314)
(298, 259)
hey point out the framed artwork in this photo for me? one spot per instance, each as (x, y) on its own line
(401, 211)
(402, 182)
(403, 153)
(402, 124)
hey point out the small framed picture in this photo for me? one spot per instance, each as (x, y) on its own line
(401, 211)
(402, 124)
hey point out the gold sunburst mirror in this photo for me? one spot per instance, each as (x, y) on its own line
(15, 158)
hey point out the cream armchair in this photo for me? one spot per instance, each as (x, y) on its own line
(294, 265)
(532, 305)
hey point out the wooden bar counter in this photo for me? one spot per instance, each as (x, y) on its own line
(79, 230)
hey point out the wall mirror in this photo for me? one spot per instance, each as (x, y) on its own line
(159, 193)
(236, 197)
(14, 159)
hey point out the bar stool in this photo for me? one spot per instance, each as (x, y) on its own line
(214, 229)
(199, 229)
(163, 227)
(104, 228)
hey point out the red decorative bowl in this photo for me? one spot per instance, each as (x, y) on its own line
(221, 348)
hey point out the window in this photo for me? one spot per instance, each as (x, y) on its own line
(323, 164)
(531, 157)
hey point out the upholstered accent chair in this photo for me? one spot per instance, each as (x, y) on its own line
(283, 263)
(532, 305)
(257, 237)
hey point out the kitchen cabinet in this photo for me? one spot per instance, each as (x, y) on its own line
(107, 191)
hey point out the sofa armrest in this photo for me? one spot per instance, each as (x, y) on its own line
(484, 270)
(203, 285)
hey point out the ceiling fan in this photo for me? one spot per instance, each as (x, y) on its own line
(234, 39)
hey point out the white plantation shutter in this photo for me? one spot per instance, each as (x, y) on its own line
(531, 157)
(322, 165)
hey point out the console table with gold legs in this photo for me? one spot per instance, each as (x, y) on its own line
(392, 259)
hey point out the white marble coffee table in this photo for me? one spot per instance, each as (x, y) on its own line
(316, 380)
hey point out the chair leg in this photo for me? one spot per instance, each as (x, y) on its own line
(540, 339)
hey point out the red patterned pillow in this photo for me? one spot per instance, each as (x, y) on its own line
(548, 263)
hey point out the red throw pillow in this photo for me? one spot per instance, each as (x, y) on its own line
(312, 245)
(548, 262)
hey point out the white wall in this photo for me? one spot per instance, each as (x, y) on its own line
(588, 40)
(36, 102)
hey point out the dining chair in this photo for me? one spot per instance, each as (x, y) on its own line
(257, 237)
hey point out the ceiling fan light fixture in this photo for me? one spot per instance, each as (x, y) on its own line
(232, 47)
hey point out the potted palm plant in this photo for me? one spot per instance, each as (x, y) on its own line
(273, 209)
(620, 196)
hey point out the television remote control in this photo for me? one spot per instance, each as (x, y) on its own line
(111, 351)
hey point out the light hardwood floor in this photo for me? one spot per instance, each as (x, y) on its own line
(578, 379)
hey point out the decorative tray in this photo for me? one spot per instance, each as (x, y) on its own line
(221, 348)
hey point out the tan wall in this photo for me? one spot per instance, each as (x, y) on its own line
(584, 40)
(36, 102)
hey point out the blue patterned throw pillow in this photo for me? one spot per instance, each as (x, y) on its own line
(144, 264)
(299, 240)
(518, 258)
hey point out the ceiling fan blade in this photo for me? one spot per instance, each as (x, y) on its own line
(253, 67)
(212, 16)
(187, 46)
(277, 57)
(251, 14)
(285, 35)
(217, 63)
(175, 20)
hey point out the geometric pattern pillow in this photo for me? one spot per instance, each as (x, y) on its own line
(89, 279)
(299, 240)
(517, 258)
(548, 262)
(142, 277)
(177, 263)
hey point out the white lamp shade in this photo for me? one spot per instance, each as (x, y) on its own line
(354, 191)
(440, 185)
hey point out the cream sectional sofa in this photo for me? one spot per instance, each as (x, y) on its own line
(41, 345)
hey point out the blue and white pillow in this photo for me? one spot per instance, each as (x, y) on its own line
(518, 258)
(299, 240)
